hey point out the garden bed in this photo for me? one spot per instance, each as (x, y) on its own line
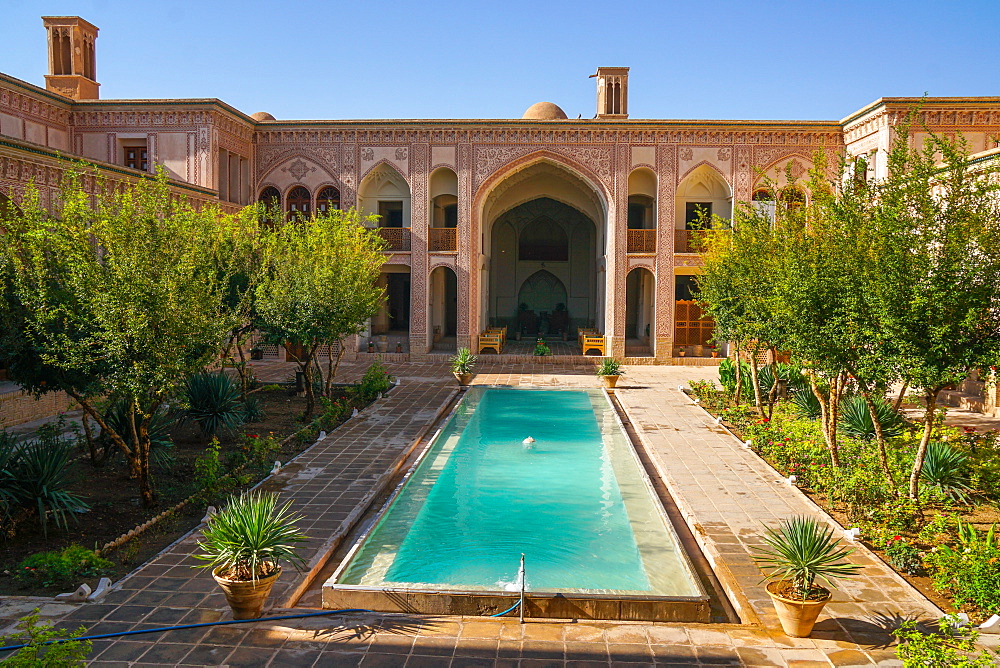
(905, 536)
(115, 507)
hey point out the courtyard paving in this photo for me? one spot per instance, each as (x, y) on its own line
(723, 490)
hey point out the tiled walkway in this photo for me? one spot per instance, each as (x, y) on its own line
(724, 491)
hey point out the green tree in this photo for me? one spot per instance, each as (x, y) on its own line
(936, 292)
(119, 293)
(319, 287)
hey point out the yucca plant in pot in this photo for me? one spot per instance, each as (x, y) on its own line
(462, 364)
(610, 370)
(244, 544)
(797, 554)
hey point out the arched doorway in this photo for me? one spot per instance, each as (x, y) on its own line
(541, 309)
(640, 312)
(443, 309)
(544, 234)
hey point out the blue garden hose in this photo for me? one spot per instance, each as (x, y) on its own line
(161, 629)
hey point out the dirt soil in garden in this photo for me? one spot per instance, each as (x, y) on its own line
(115, 506)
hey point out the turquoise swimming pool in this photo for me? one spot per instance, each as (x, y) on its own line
(547, 473)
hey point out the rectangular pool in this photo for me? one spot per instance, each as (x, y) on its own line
(574, 500)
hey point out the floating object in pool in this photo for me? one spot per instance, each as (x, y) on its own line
(528, 441)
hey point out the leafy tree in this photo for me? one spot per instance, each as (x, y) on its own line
(936, 291)
(319, 287)
(118, 293)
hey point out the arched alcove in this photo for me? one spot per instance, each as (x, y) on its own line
(538, 239)
(642, 199)
(385, 193)
(640, 313)
(443, 308)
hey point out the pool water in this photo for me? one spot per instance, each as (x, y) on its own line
(573, 500)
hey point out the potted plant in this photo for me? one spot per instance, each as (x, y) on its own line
(244, 544)
(462, 364)
(610, 370)
(797, 554)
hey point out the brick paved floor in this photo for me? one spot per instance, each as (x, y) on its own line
(724, 491)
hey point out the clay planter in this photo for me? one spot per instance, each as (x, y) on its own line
(246, 597)
(797, 617)
(464, 379)
(610, 381)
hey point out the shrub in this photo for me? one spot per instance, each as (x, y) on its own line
(945, 469)
(542, 350)
(903, 555)
(253, 409)
(805, 404)
(62, 568)
(856, 419)
(208, 467)
(375, 381)
(954, 645)
(333, 411)
(970, 569)
(47, 645)
(609, 366)
(42, 474)
(214, 402)
(708, 394)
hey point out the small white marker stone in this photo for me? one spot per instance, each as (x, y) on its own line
(718, 420)
(322, 435)
(276, 467)
(102, 588)
(680, 388)
(747, 443)
(78, 596)
(354, 413)
(791, 479)
(852, 534)
(209, 513)
(991, 625)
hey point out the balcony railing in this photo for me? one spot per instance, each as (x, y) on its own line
(396, 238)
(641, 241)
(442, 239)
(689, 241)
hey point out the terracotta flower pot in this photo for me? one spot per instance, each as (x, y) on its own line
(610, 381)
(246, 597)
(797, 617)
(464, 379)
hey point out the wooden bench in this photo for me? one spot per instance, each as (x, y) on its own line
(590, 342)
(491, 339)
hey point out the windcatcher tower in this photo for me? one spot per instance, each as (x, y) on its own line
(72, 57)
(612, 92)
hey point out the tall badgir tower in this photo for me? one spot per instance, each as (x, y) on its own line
(543, 225)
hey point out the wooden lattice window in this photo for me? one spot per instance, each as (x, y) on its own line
(328, 199)
(298, 201)
(690, 328)
(137, 157)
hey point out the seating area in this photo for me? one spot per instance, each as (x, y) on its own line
(492, 338)
(590, 339)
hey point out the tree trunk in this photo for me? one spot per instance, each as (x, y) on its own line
(91, 444)
(879, 435)
(918, 462)
(772, 393)
(306, 366)
(902, 395)
(824, 411)
(758, 400)
(144, 447)
(739, 375)
(332, 366)
(115, 437)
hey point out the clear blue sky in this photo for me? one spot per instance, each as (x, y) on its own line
(721, 59)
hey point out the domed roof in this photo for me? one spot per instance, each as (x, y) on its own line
(262, 116)
(544, 111)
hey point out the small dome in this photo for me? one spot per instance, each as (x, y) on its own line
(544, 111)
(262, 116)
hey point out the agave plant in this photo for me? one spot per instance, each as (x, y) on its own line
(250, 536)
(42, 475)
(609, 366)
(253, 409)
(802, 550)
(463, 361)
(214, 402)
(805, 404)
(856, 419)
(946, 469)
